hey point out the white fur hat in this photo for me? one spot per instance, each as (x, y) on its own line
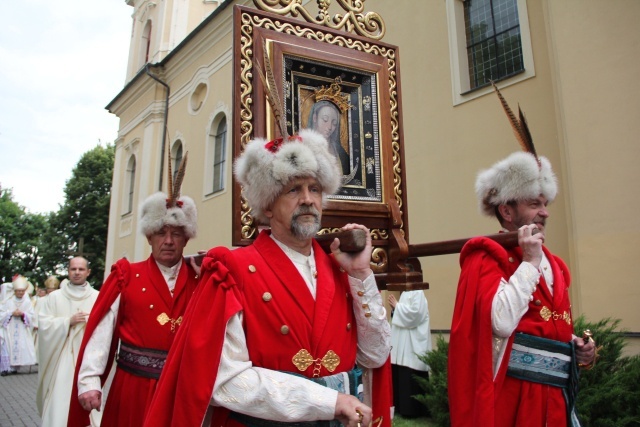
(518, 177)
(154, 214)
(264, 168)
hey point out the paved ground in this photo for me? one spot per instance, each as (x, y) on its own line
(18, 400)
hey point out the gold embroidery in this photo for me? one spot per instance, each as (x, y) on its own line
(176, 323)
(303, 359)
(164, 318)
(547, 314)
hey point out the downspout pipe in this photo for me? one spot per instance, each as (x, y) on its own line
(164, 126)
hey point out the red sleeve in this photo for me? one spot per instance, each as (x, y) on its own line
(109, 291)
(471, 387)
(184, 390)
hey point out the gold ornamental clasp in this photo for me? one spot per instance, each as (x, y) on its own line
(303, 359)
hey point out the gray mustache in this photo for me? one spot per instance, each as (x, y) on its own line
(306, 210)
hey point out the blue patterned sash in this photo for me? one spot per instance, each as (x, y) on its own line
(545, 361)
(540, 360)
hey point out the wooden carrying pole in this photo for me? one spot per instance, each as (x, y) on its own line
(355, 241)
(508, 240)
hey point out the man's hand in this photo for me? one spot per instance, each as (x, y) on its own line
(78, 317)
(351, 412)
(355, 264)
(585, 351)
(17, 313)
(91, 399)
(531, 242)
(192, 261)
(392, 301)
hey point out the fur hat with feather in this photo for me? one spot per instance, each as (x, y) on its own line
(160, 209)
(521, 176)
(265, 168)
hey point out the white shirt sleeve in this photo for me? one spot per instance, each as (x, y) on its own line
(510, 303)
(374, 331)
(512, 299)
(265, 393)
(96, 353)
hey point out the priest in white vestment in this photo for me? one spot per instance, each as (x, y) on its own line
(61, 320)
(410, 338)
(16, 323)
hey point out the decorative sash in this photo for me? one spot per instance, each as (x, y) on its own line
(545, 361)
(345, 382)
(143, 362)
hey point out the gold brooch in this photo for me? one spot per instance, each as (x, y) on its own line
(164, 318)
(303, 359)
(547, 314)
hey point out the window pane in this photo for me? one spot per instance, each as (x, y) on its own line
(478, 22)
(505, 14)
(493, 40)
(132, 180)
(219, 156)
(510, 56)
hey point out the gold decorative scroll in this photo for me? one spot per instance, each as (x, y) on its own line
(376, 233)
(379, 234)
(328, 230)
(368, 25)
(379, 260)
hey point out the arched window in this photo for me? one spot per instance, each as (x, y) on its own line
(219, 150)
(130, 183)
(145, 44)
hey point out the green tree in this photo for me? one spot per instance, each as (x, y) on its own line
(20, 240)
(609, 395)
(85, 212)
(55, 250)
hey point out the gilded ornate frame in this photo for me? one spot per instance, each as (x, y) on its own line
(286, 37)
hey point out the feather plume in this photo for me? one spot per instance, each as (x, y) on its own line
(171, 201)
(177, 182)
(519, 126)
(269, 84)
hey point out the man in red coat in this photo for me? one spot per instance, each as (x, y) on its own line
(140, 307)
(280, 332)
(512, 352)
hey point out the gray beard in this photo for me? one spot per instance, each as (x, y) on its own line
(303, 231)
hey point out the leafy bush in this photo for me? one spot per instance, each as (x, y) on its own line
(609, 394)
(436, 397)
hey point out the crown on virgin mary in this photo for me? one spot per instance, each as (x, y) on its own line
(333, 93)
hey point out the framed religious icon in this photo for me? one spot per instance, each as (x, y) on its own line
(343, 112)
(339, 102)
(345, 86)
